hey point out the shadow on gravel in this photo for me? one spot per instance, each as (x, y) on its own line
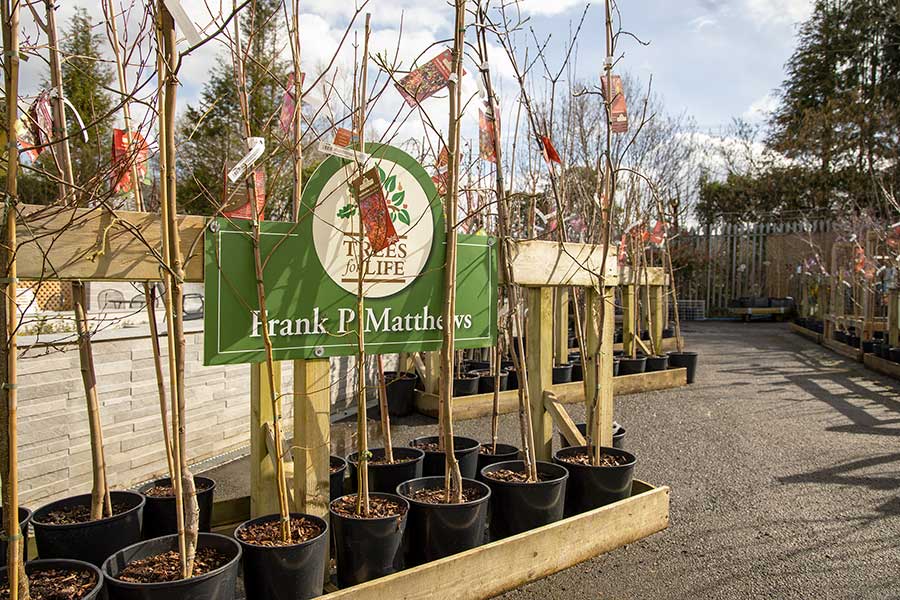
(849, 474)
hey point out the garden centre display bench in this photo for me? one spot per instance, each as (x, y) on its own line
(96, 246)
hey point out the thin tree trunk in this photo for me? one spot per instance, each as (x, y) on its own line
(183, 483)
(362, 497)
(453, 478)
(298, 111)
(385, 415)
(495, 407)
(18, 580)
(101, 506)
(149, 290)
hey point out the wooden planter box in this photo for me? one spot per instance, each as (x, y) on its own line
(883, 366)
(807, 333)
(480, 405)
(843, 349)
(506, 564)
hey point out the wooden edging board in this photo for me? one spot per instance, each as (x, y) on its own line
(883, 366)
(506, 564)
(843, 349)
(480, 405)
(807, 333)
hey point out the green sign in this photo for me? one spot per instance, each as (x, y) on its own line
(311, 274)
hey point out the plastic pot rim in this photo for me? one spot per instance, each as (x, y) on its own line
(179, 582)
(354, 517)
(516, 484)
(150, 484)
(456, 439)
(632, 459)
(351, 458)
(512, 449)
(319, 520)
(440, 481)
(62, 526)
(48, 562)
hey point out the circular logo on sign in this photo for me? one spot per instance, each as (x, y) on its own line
(387, 211)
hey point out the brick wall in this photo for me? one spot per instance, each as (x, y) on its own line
(54, 445)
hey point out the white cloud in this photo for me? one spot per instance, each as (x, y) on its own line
(778, 12)
(702, 22)
(761, 108)
(549, 7)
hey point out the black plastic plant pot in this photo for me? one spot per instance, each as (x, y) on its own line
(591, 487)
(61, 564)
(512, 380)
(24, 519)
(505, 453)
(159, 512)
(668, 332)
(684, 360)
(368, 548)
(294, 572)
(616, 367)
(895, 355)
(577, 370)
(338, 468)
(562, 373)
(517, 507)
(657, 363)
(478, 365)
(386, 477)
(632, 366)
(840, 336)
(464, 449)
(218, 583)
(883, 351)
(467, 385)
(868, 346)
(439, 530)
(486, 381)
(853, 341)
(401, 392)
(93, 541)
(618, 436)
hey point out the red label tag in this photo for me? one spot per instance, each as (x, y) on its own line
(550, 154)
(237, 204)
(618, 109)
(374, 211)
(289, 104)
(127, 150)
(427, 80)
(488, 130)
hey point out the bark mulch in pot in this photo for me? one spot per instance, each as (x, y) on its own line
(166, 491)
(437, 495)
(379, 508)
(58, 584)
(606, 460)
(167, 566)
(269, 532)
(81, 513)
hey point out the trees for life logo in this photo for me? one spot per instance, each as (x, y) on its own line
(337, 234)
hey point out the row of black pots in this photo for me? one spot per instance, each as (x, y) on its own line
(370, 548)
(141, 517)
(883, 349)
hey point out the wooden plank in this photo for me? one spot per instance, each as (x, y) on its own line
(563, 421)
(509, 563)
(561, 326)
(263, 491)
(803, 331)
(843, 349)
(657, 321)
(883, 366)
(629, 306)
(594, 330)
(432, 372)
(312, 436)
(537, 263)
(539, 362)
(474, 407)
(90, 244)
(229, 512)
(652, 276)
(894, 318)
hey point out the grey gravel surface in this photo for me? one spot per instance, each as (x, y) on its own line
(784, 465)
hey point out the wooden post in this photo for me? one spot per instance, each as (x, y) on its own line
(894, 318)
(432, 371)
(263, 489)
(629, 305)
(561, 326)
(312, 436)
(657, 303)
(539, 362)
(606, 368)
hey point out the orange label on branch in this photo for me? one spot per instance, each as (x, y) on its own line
(550, 153)
(379, 228)
(127, 150)
(618, 107)
(343, 137)
(237, 203)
